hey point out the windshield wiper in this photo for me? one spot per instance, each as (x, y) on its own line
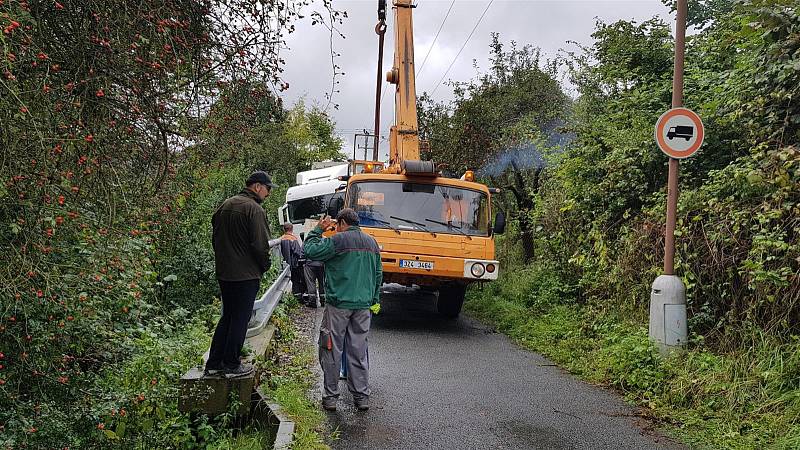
(396, 230)
(450, 225)
(419, 225)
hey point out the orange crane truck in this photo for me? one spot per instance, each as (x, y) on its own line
(434, 231)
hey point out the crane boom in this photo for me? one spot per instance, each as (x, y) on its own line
(403, 137)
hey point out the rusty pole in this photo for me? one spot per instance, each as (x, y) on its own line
(674, 164)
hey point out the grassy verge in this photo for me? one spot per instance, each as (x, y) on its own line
(741, 400)
(291, 380)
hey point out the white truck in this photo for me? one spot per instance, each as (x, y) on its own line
(309, 198)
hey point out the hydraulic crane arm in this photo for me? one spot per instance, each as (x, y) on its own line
(403, 138)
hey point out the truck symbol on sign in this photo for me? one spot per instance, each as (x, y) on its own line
(680, 131)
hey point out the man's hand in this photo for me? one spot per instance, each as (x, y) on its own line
(326, 223)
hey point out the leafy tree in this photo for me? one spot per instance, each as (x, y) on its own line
(519, 88)
(515, 105)
(106, 149)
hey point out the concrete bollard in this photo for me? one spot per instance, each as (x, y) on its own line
(668, 314)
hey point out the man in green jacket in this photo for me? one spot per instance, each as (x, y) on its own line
(353, 279)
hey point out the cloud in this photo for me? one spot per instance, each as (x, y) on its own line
(546, 24)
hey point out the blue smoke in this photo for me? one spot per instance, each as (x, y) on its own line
(529, 155)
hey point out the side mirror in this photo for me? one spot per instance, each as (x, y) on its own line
(335, 204)
(282, 216)
(499, 223)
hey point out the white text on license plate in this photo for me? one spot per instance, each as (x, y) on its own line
(410, 264)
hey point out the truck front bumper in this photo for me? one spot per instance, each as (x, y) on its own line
(443, 270)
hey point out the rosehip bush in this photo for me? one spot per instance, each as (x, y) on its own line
(101, 113)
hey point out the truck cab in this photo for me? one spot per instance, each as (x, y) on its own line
(309, 198)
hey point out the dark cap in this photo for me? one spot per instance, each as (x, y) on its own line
(261, 178)
(348, 216)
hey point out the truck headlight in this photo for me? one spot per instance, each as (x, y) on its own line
(477, 270)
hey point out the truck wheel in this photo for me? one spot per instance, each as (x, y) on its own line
(450, 301)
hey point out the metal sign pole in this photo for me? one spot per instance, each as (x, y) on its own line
(668, 295)
(674, 164)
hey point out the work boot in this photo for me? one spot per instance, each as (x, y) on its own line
(213, 371)
(329, 404)
(242, 370)
(362, 404)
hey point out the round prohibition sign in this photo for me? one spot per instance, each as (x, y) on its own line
(679, 133)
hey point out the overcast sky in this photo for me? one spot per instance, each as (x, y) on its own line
(547, 24)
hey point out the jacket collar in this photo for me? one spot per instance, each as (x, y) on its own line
(248, 193)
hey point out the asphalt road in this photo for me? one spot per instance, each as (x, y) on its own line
(439, 384)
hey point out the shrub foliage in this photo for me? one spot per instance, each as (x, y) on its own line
(122, 127)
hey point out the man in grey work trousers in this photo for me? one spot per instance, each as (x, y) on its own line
(353, 278)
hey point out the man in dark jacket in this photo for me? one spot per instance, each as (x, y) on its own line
(241, 256)
(292, 253)
(353, 278)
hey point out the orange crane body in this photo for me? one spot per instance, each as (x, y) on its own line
(434, 231)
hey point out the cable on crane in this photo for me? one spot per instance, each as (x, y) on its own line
(380, 30)
(462, 47)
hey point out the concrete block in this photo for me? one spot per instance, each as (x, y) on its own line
(211, 395)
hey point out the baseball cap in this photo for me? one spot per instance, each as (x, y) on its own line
(262, 178)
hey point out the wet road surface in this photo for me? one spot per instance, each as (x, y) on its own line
(439, 384)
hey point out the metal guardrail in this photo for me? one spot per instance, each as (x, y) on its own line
(264, 306)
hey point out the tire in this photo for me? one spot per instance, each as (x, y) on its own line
(450, 301)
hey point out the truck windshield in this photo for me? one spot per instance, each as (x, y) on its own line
(419, 206)
(305, 208)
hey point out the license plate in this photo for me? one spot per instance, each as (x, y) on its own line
(411, 264)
